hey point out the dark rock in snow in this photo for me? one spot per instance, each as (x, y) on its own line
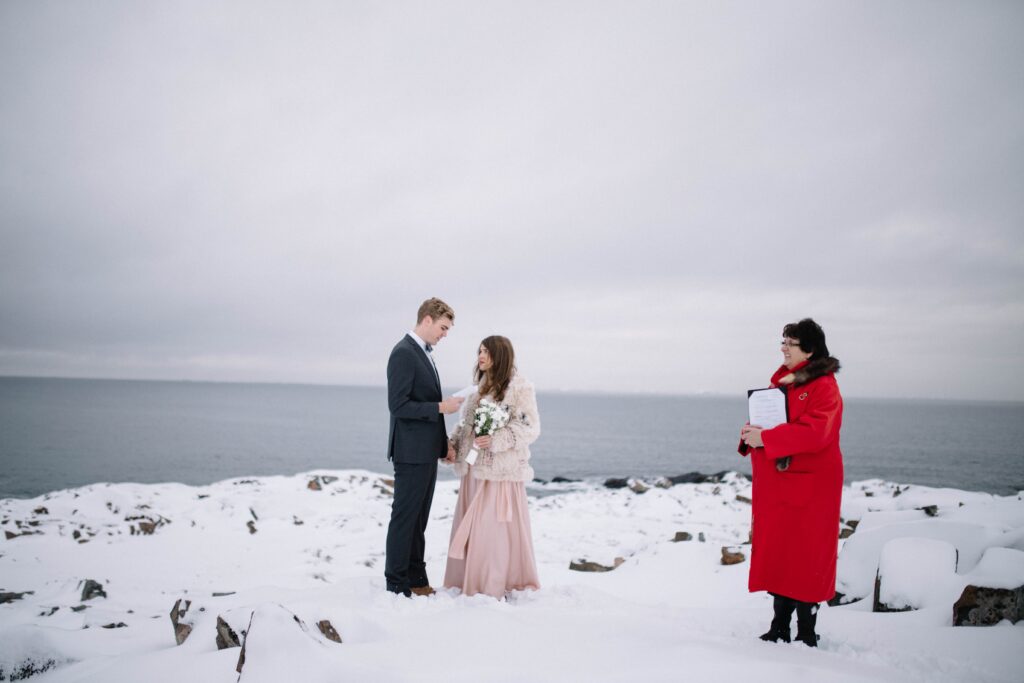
(981, 606)
(616, 483)
(92, 589)
(226, 636)
(582, 565)
(682, 536)
(181, 620)
(328, 630)
(730, 556)
(11, 597)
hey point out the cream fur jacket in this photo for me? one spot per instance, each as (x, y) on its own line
(508, 458)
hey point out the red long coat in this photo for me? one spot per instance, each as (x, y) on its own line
(795, 517)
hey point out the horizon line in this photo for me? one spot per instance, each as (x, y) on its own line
(582, 392)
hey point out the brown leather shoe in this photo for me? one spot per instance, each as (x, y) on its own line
(422, 591)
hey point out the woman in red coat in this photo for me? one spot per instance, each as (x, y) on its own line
(798, 484)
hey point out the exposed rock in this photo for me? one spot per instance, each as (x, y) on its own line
(700, 536)
(682, 536)
(296, 521)
(663, 483)
(224, 594)
(637, 486)
(252, 526)
(981, 606)
(744, 499)
(253, 513)
(318, 482)
(616, 483)
(245, 637)
(845, 532)
(30, 666)
(10, 534)
(92, 589)
(146, 524)
(53, 610)
(930, 510)
(688, 478)
(181, 620)
(328, 630)
(41, 511)
(119, 624)
(390, 482)
(730, 556)
(582, 565)
(700, 478)
(226, 636)
(852, 523)
(11, 597)
(79, 608)
(564, 480)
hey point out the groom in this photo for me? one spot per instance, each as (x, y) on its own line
(417, 441)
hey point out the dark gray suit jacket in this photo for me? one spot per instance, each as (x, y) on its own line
(417, 432)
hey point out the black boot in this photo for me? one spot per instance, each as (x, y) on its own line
(780, 624)
(806, 618)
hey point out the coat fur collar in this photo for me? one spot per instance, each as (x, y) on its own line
(815, 369)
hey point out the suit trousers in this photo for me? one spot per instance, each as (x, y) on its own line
(404, 567)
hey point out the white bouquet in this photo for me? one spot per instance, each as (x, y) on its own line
(488, 418)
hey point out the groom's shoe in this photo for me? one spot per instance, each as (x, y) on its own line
(423, 591)
(407, 592)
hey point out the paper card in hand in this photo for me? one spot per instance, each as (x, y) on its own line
(767, 408)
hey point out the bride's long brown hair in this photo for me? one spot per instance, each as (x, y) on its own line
(503, 364)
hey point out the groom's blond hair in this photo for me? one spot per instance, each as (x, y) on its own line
(436, 309)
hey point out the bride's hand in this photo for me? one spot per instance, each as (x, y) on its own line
(450, 458)
(482, 442)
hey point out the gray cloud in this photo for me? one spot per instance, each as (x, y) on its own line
(639, 194)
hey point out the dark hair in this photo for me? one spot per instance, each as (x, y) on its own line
(811, 337)
(503, 363)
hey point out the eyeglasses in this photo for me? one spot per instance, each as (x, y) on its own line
(790, 344)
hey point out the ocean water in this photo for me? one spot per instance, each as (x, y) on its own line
(60, 433)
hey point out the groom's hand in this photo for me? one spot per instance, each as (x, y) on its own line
(450, 405)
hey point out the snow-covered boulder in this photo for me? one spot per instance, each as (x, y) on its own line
(27, 651)
(915, 573)
(859, 558)
(280, 646)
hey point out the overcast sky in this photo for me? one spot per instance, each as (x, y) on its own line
(638, 194)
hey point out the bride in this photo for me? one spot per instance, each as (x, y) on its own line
(491, 548)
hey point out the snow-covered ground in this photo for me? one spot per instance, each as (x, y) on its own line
(670, 612)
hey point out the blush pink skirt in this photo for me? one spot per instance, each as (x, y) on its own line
(491, 548)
